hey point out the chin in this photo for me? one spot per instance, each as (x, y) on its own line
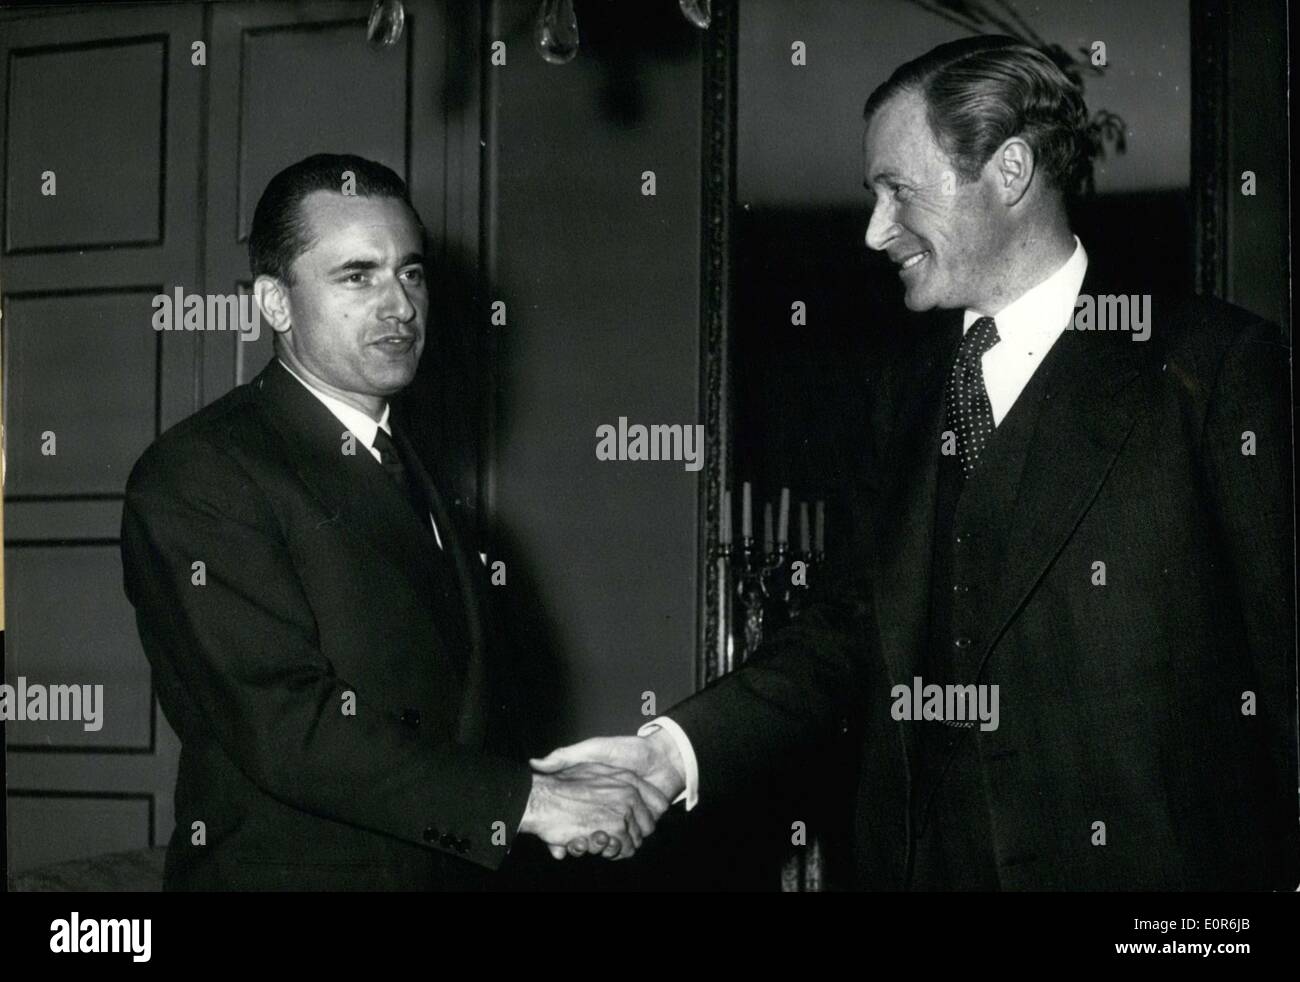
(917, 303)
(391, 382)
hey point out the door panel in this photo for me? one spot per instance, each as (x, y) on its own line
(108, 102)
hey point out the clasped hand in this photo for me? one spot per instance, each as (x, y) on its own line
(603, 796)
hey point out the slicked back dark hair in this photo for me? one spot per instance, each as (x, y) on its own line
(981, 91)
(280, 233)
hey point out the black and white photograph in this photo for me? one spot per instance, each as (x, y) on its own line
(610, 447)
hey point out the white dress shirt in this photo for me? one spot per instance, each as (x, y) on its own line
(1027, 329)
(358, 424)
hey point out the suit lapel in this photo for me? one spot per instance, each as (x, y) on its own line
(351, 487)
(1092, 401)
(905, 524)
(470, 726)
(448, 530)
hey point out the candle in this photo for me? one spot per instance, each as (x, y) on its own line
(747, 513)
(803, 527)
(820, 538)
(767, 526)
(724, 530)
(783, 521)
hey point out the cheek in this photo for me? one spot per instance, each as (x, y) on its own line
(342, 315)
(961, 237)
(334, 330)
(317, 313)
(926, 221)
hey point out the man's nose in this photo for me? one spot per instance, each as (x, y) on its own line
(882, 227)
(395, 303)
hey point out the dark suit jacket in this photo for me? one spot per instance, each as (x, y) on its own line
(1119, 704)
(319, 586)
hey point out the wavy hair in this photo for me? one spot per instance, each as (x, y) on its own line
(981, 91)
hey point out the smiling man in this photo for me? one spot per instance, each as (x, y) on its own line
(313, 607)
(1095, 527)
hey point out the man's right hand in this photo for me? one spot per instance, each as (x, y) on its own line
(654, 758)
(617, 807)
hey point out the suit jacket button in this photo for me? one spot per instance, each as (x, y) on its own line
(446, 840)
(962, 643)
(462, 845)
(430, 835)
(411, 717)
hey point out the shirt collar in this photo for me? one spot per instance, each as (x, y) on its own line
(361, 425)
(1043, 309)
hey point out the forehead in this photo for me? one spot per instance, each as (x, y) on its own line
(339, 221)
(898, 138)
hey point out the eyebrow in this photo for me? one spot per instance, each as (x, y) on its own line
(367, 265)
(884, 175)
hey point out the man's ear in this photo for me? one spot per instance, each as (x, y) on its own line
(1013, 166)
(273, 301)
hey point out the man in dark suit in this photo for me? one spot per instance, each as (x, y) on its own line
(313, 608)
(1087, 531)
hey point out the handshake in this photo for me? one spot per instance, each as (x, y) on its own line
(603, 796)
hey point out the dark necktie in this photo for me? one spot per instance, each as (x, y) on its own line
(969, 412)
(453, 625)
(392, 462)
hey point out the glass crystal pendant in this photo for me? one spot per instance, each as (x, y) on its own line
(698, 12)
(555, 32)
(387, 19)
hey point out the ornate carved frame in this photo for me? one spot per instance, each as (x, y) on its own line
(1209, 144)
(718, 176)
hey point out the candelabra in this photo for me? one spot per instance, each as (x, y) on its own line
(758, 583)
(769, 582)
(772, 587)
(765, 584)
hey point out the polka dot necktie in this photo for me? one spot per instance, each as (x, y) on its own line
(969, 412)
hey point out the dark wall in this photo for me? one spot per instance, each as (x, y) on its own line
(1258, 229)
(602, 291)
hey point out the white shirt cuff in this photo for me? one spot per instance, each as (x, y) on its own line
(683, 743)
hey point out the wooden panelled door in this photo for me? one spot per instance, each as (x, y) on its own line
(157, 163)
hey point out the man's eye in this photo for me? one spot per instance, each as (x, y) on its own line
(901, 193)
(415, 276)
(355, 278)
